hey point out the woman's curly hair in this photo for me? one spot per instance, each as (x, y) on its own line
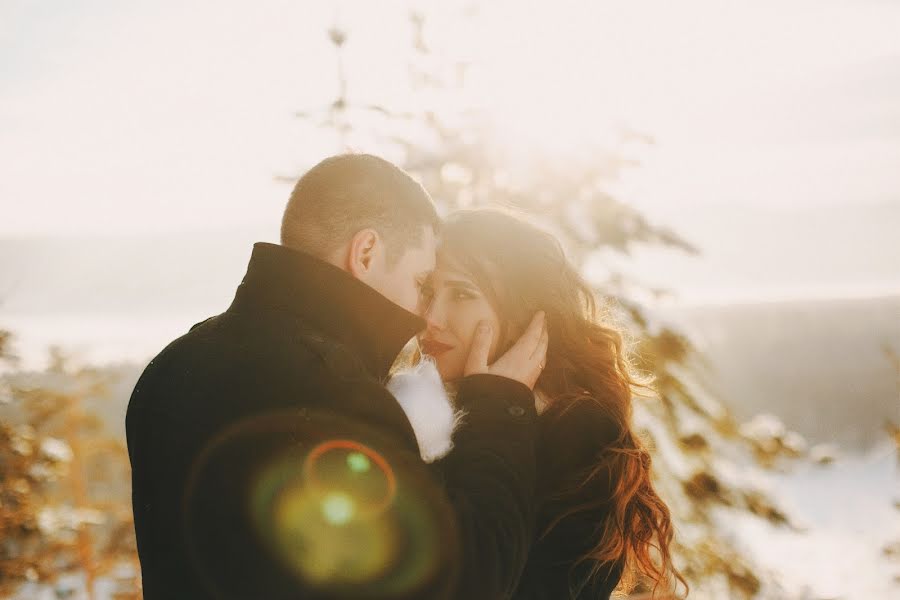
(522, 269)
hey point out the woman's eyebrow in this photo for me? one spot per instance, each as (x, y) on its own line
(461, 283)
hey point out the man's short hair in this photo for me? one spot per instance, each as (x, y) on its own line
(347, 193)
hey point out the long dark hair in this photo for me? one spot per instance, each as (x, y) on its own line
(523, 268)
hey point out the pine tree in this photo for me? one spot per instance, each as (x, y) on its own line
(706, 464)
(64, 509)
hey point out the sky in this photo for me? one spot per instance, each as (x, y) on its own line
(120, 118)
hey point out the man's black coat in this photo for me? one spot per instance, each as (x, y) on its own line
(223, 422)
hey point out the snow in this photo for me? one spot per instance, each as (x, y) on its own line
(847, 522)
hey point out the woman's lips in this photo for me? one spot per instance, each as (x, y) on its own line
(434, 348)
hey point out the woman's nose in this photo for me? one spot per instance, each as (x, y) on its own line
(434, 315)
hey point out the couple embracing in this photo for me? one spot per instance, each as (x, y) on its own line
(395, 406)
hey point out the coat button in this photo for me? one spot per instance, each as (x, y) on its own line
(516, 411)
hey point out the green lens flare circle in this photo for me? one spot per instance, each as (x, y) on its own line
(323, 471)
(358, 462)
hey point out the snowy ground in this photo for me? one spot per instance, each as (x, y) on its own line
(848, 512)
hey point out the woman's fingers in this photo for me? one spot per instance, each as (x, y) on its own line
(521, 361)
(528, 343)
(531, 339)
(540, 351)
(480, 350)
(539, 358)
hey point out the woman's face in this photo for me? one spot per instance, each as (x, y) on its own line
(453, 305)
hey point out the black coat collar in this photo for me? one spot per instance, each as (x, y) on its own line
(329, 300)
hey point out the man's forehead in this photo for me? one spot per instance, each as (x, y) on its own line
(430, 238)
(428, 247)
(422, 256)
(450, 268)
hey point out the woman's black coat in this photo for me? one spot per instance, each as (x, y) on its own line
(571, 439)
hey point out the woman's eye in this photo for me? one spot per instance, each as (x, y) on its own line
(463, 295)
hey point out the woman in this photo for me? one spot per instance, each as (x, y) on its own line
(599, 520)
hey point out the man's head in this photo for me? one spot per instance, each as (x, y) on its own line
(368, 217)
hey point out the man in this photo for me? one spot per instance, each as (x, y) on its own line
(269, 461)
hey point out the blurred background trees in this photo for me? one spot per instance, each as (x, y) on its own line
(706, 463)
(65, 504)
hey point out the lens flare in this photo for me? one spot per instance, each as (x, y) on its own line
(358, 462)
(334, 505)
(346, 466)
(323, 514)
(338, 509)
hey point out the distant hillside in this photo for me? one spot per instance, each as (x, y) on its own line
(754, 253)
(170, 273)
(819, 365)
(747, 253)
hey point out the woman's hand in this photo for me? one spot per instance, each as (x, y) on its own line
(523, 362)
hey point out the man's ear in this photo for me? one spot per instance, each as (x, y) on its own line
(364, 246)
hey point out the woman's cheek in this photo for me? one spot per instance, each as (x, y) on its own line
(463, 327)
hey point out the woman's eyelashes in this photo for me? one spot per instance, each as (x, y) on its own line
(459, 294)
(455, 291)
(460, 289)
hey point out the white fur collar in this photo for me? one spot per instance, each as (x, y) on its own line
(422, 395)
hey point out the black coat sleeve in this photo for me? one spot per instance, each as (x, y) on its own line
(490, 480)
(574, 500)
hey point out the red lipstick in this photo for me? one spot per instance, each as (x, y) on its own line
(434, 347)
